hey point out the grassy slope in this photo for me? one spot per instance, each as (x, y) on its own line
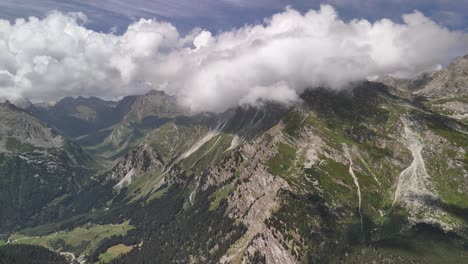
(82, 240)
(114, 252)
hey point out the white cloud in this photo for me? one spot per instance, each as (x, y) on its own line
(275, 61)
(279, 92)
(202, 39)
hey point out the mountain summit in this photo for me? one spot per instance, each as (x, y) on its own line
(448, 82)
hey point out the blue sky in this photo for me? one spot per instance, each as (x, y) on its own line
(220, 15)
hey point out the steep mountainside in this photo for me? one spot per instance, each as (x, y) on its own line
(36, 166)
(374, 174)
(325, 180)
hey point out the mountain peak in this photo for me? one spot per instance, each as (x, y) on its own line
(156, 92)
(448, 82)
(19, 102)
(460, 63)
(6, 103)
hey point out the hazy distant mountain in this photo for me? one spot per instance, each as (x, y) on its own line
(79, 116)
(44, 105)
(139, 114)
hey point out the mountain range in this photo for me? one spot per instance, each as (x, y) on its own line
(377, 173)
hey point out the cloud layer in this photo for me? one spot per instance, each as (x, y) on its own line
(273, 61)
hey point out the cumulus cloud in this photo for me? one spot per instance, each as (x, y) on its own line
(273, 61)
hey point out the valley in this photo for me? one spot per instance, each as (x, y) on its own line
(373, 174)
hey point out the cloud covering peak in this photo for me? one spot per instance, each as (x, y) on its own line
(273, 61)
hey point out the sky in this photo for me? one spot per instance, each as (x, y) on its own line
(221, 15)
(217, 54)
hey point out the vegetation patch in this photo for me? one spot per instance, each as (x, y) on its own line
(441, 127)
(335, 180)
(145, 184)
(114, 252)
(283, 161)
(13, 144)
(172, 234)
(421, 244)
(82, 240)
(294, 122)
(218, 196)
(28, 254)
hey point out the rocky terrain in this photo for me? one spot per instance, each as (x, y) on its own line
(373, 174)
